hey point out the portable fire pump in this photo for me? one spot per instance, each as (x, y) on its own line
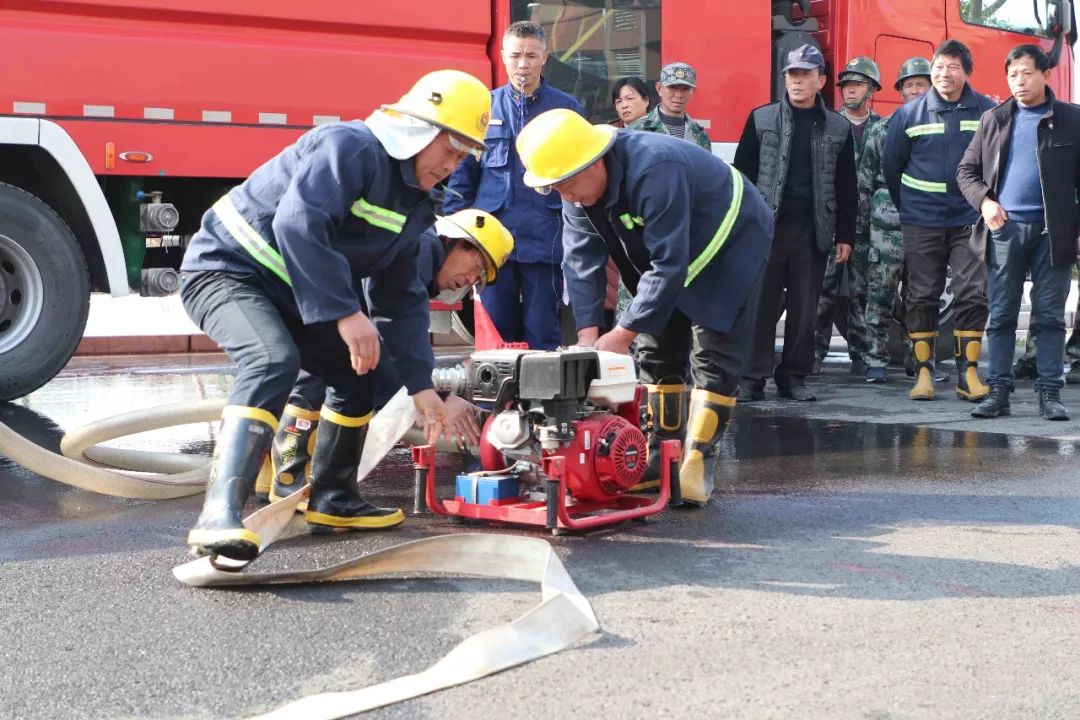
(563, 446)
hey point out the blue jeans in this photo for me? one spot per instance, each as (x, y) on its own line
(1011, 251)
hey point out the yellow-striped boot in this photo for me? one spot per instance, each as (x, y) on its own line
(922, 348)
(667, 412)
(243, 442)
(710, 415)
(967, 349)
(335, 502)
(294, 444)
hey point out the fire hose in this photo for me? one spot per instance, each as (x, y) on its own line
(562, 618)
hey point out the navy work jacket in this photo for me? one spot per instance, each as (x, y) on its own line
(926, 141)
(494, 183)
(666, 209)
(342, 218)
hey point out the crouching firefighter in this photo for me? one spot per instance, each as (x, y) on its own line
(690, 237)
(461, 251)
(275, 276)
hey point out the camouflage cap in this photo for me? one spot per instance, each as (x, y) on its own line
(805, 57)
(678, 73)
(860, 69)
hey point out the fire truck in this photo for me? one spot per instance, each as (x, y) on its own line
(122, 121)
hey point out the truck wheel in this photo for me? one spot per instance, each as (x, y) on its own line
(44, 293)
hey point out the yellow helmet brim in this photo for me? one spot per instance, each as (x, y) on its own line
(599, 141)
(446, 227)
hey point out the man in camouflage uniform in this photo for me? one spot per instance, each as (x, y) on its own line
(675, 89)
(1025, 369)
(879, 219)
(858, 82)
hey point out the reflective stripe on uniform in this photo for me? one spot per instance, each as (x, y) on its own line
(928, 129)
(722, 232)
(250, 239)
(378, 216)
(969, 125)
(924, 185)
(629, 222)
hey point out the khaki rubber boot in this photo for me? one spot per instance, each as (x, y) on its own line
(967, 349)
(335, 503)
(294, 444)
(242, 444)
(667, 410)
(922, 348)
(710, 415)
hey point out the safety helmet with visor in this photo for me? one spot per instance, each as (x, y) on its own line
(454, 101)
(559, 144)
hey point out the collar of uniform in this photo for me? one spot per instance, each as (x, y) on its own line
(408, 172)
(529, 98)
(934, 101)
(615, 173)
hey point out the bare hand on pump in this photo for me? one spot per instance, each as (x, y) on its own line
(362, 339)
(431, 411)
(617, 340)
(463, 423)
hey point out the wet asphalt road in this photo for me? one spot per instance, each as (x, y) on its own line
(855, 563)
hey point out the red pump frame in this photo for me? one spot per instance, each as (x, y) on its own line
(575, 516)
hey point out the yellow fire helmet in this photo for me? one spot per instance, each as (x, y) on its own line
(559, 144)
(483, 231)
(449, 99)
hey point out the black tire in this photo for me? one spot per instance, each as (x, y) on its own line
(44, 293)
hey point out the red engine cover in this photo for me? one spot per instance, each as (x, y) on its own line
(606, 458)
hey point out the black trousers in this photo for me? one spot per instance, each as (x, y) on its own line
(270, 346)
(797, 266)
(927, 254)
(714, 360)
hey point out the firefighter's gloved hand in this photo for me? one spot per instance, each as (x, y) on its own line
(463, 423)
(362, 339)
(431, 412)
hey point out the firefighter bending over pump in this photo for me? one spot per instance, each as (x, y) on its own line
(275, 276)
(690, 236)
(459, 252)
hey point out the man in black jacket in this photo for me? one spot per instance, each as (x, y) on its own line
(1022, 172)
(801, 157)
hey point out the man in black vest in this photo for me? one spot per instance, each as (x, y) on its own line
(801, 156)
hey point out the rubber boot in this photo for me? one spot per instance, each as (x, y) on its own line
(243, 442)
(667, 408)
(294, 444)
(264, 481)
(967, 349)
(710, 415)
(922, 349)
(335, 503)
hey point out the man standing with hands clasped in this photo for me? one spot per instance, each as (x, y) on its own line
(1022, 172)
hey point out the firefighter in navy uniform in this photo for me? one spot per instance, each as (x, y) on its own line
(275, 276)
(690, 236)
(461, 251)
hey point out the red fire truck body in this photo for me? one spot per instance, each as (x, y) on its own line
(121, 121)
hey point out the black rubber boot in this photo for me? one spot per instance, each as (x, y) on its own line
(242, 444)
(667, 409)
(294, 444)
(335, 503)
(995, 404)
(710, 415)
(1050, 406)
(966, 351)
(922, 349)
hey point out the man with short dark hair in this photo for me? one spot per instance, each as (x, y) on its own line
(801, 156)
(927, 137)
(675, 90)
(525, 304)
(1022, 171)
